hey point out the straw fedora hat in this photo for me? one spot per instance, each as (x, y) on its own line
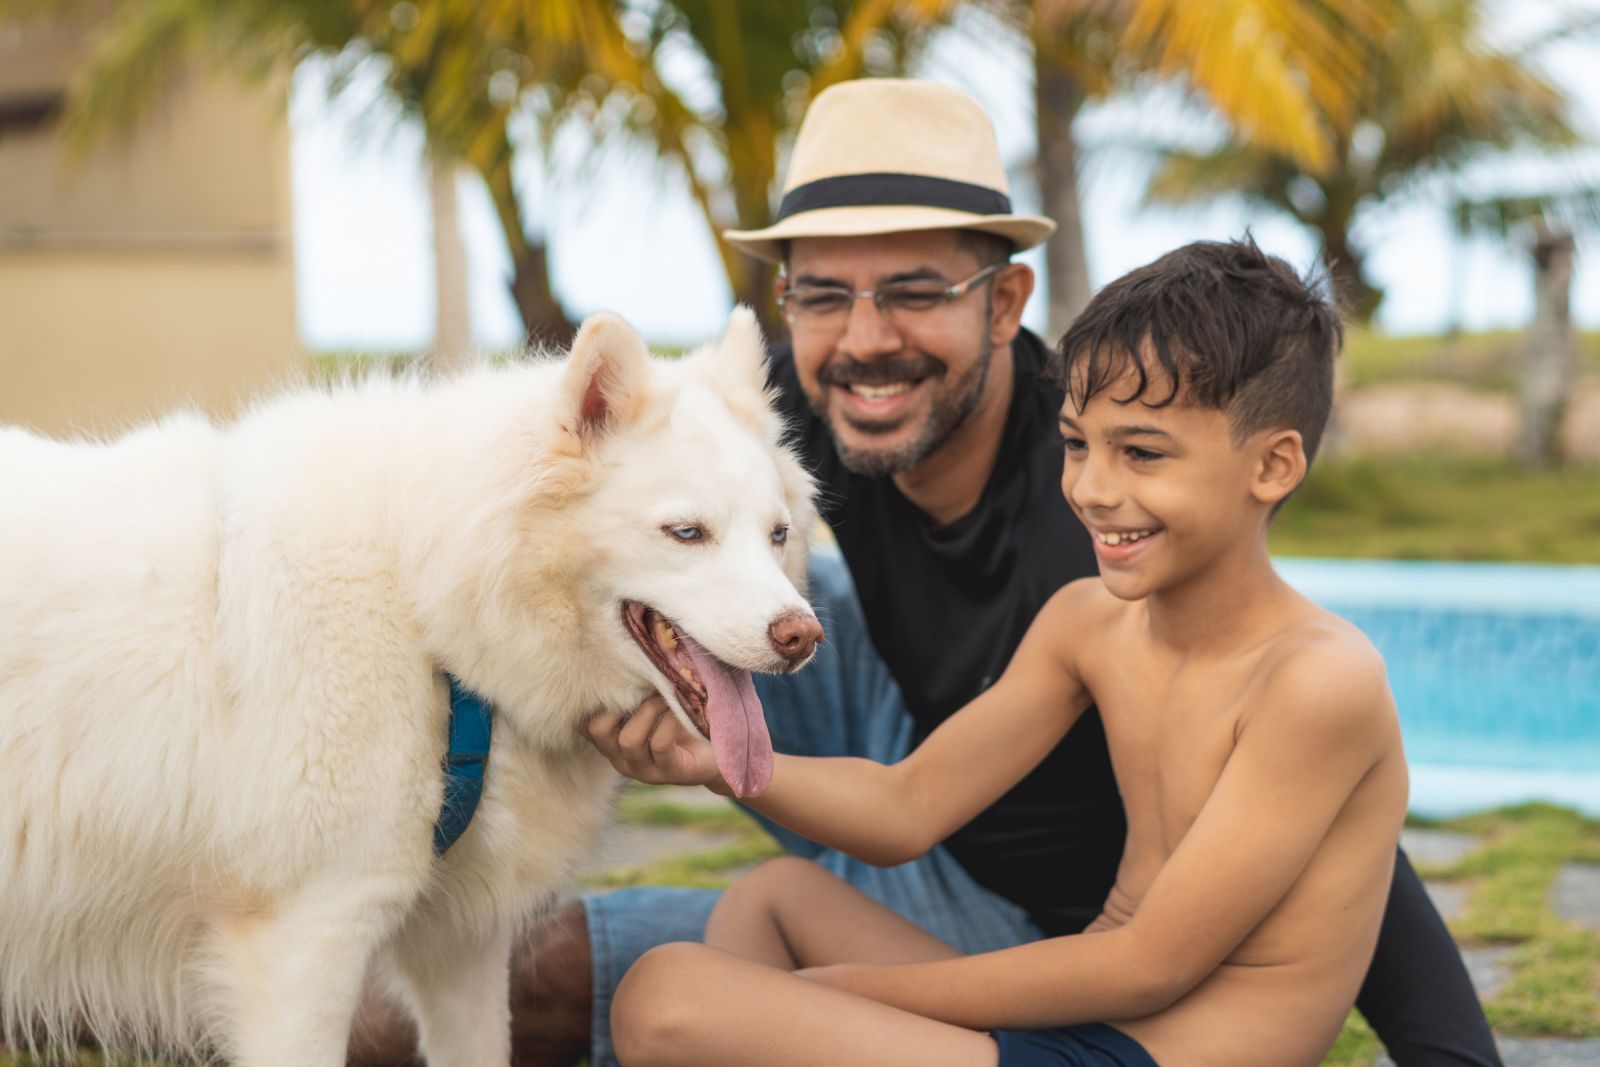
(886, 155)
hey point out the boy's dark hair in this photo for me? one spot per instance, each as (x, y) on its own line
(1234, 329)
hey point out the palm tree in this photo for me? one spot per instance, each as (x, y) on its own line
(766, 61)
(1435, 96)
(1272, 68)
(1545, 226)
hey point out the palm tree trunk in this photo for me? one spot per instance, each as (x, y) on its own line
(1358, 298)
(1057, 99)
(544, 320)
(452, 331)
(1549, 362)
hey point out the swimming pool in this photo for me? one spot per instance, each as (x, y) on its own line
(1495, 669)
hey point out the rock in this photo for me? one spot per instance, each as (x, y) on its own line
(1575, 895)
(1436, 846)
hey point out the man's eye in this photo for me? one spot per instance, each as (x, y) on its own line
(913, 298)
(1142, 455)
(819, 301)
(685, 531)
(1073, 444)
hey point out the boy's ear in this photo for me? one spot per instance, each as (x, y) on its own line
(604, 382)
(1281, 466)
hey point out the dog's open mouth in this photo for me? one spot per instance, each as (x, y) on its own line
(719, 699)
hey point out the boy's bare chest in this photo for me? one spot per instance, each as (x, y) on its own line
(1170, 737)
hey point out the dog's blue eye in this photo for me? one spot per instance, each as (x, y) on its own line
(780, 534)
(686, 532)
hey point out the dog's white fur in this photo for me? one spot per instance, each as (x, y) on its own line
(222, 712)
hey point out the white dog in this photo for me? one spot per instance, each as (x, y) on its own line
(223, 695)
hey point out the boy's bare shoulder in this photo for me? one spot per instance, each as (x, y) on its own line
(1324, 675)
(1082, 601)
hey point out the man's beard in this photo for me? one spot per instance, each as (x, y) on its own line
(951, 407)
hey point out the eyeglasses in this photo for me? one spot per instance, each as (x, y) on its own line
(820, 309)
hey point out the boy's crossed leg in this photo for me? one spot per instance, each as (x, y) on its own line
(697, 1004)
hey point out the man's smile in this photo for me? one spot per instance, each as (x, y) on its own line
(878, 408)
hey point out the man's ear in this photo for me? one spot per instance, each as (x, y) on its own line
(605, 377)
(1012, 288)
(1280, 466)
(738, 360)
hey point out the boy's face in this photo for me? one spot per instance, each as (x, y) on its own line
(1162, 490)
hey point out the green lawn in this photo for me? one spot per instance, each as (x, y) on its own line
(1438, 507)
(1554, 986)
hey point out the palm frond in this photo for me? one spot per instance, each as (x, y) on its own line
(1231, 170)
(1286, 73)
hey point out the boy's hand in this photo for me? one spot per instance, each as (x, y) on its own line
(653, 746)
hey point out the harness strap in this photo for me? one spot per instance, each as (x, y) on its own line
(471, 722)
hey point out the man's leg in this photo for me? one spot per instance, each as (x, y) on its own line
(1417, 995)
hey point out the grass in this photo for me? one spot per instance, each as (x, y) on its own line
(1443, 507)
(1554, 984)
(739, 844)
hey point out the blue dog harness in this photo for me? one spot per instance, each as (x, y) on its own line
(471, 721)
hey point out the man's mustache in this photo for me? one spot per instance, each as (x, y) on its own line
(883, 371)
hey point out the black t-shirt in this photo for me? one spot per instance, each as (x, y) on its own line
(946, 608)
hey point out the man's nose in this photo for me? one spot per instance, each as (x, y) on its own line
(794, 636)
(868, 331)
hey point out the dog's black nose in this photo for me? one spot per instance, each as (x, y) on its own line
(795, 635)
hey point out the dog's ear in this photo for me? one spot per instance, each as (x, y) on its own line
(604, 382)
(739, 359)
(799, 491)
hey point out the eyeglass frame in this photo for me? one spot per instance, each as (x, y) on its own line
(950, 293)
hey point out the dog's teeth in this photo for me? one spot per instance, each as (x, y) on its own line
(688, 675)
(666, 635)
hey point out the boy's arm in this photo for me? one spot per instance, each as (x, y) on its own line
(1317, 730)
(889, 814)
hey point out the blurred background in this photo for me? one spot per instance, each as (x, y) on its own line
(200, 199)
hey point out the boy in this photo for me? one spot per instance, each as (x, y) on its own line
(1253, 737)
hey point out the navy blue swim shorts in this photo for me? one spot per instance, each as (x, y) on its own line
(1087, 1045)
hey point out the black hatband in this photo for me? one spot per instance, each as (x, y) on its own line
(893, 190)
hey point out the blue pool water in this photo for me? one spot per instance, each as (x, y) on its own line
(1495, 669)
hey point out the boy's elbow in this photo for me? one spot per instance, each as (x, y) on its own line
(892, 851)
(1156, 990)
(1157, 981)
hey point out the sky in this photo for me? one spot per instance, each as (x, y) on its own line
(625, 236)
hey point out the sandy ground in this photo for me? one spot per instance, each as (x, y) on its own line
(1439, 417)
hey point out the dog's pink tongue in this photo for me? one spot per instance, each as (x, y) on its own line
(739, 735)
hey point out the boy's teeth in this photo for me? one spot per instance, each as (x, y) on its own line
(1116, 537)
(878, 392)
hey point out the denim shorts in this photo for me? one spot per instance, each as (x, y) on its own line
(845, 703)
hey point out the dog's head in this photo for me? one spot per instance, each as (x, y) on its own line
(696, 518)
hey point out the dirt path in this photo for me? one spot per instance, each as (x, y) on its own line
(1440, 417)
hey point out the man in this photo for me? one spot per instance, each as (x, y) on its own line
(922, 407)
